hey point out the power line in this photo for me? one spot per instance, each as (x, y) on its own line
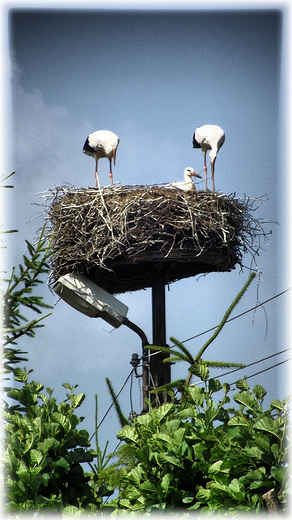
(266, 369)
(230, 319)
(131, 391)
(254, 363)
(239, 315)
(250, 364)
(110, 407)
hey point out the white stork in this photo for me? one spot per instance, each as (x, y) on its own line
(187, 184)
(209, 137)
(102, 143)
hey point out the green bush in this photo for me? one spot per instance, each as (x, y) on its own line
(203, 456)
(44, 450)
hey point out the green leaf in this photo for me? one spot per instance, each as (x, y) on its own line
(61, 418)
(48, 444)
(20, 375)
(165, 458)
(196, 395)
(277, 405)
(203, 494)
(36, 456)
(134, 476)
(128, 434)
(165, 482)
(199, 370)
(188, 499)
(211, 413)
(187, 413)
(239, 420)
(67, 386)
(216, 468)
(236, 488)
(149, 487)
(246, 399)
(61, 464)
(51, 429)
(200, 451)
(163, 411)
(276, 451)
(77, 400)
(255, 452)
(214, 385)
(23, 473)
(268, 425)
(242, 384)
(279, 473)
(79, 455)
(259, 392)
(71, 511)
(263, 441)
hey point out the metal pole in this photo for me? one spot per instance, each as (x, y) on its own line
(159, 371)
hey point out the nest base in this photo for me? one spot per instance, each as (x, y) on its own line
(124, 275)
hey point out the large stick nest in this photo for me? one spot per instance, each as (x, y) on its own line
(120, 237)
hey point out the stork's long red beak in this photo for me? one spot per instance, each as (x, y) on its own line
(195, 174)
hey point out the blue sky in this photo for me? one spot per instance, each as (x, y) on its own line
(152, 77)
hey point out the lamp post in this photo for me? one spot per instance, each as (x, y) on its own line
(160, 371)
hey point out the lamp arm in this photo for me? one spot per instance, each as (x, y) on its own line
(138, 331)
(145, 374)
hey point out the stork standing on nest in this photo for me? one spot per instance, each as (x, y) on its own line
(188, 183)
(209, 137)
(102, 143)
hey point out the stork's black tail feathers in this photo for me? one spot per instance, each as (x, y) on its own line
(195, 143)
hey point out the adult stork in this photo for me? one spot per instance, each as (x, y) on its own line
(102, 143)
(209, 137)
(187, 184)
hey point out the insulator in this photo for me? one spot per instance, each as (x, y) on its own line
(135, 360)
(132, 416)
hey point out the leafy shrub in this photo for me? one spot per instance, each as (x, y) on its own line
(199, 455)
(44, 451)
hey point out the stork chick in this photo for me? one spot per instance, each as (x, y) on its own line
(188, 183)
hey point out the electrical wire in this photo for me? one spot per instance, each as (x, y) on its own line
(254, 363)
(230, 319)
(154, 386)
(251, 364)
(266, 369)
(239, 315)
(131, 392)
(110, 407)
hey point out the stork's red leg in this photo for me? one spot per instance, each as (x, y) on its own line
(96, 174)
(110, 174)
(205, 171)
(212, 174)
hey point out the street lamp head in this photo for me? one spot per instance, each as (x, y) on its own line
(90, 299)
